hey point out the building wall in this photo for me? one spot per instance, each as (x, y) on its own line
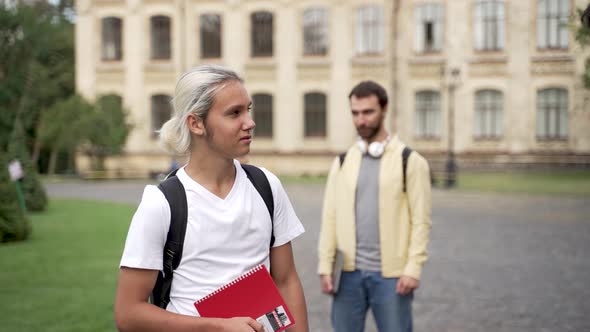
(517, 71)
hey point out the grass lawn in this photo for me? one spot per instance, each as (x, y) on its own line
(575, 182)
(64, 277)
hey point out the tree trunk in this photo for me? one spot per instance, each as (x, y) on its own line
(37, 144)
(36, 152)
(72, 161)
(52, 161)
(100, 162)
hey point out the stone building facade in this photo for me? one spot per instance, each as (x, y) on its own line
(496, 82)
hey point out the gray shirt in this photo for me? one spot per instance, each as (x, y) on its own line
(368, 253)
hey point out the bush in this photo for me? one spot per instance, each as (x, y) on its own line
(33, 190)
(14, 226)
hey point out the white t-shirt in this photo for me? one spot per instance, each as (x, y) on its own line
(224, 237)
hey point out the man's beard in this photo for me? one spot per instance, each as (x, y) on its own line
(368, 133)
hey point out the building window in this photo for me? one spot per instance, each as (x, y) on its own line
(263, 115)
(161, 112)
(427, 114)
(160, 34)
(315, 114)
(111, 39)
(210, 27)
(315, 31)
(262, 34)
(552, 24)
(489, 25)
(369, 30)
(488, 114)
(552, 118)
(429, 28)
(210, 32)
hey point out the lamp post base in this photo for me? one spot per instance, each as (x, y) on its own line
(451, 173)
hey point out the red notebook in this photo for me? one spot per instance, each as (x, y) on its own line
(253, 294)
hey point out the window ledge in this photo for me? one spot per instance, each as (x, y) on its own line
(489, 52)
(110, 66)
(369, 60)
(427, 139)
(552, 57)
(427, 60)
(480, 139)
(553, 50)
(488, 58)
(550, 140)
(211, 60)
(323, 61)
(315, 139)
(428, 54)
(268, 62)
(159, 65)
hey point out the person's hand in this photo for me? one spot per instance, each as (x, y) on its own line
(327, 284)
(406, 285)
(240, 324)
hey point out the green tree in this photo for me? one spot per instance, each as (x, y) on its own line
(32, 188)
(14, 225)
(107, 131)
(64, 126)
(583, 37)
(37, 67)
(98, 129)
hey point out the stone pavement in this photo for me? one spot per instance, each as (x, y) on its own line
(498, 262)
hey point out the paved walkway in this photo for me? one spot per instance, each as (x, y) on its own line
(498, 263)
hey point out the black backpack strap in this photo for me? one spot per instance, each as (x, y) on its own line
(342, 156)
(174, 192)
(260, 182)
(405, 154)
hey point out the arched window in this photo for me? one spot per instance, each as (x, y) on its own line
(262, 114)
(111, 39)
(315, 31)
(262, 34)
(210, 26)
(488, 114)
(315, 114)
(161, 112)
(160, 37)
(427, 114)
(552, 117)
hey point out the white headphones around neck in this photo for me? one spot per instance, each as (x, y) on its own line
(375, 149)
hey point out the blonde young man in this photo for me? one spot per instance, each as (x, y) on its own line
(380, 228)
(228, 226)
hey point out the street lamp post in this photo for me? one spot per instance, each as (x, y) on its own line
(451, 165)
(585, 17)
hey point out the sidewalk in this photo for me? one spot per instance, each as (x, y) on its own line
(498, 262)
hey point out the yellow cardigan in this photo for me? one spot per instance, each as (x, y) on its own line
(404, 219)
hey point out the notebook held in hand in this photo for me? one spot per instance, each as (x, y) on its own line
(253, 294)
